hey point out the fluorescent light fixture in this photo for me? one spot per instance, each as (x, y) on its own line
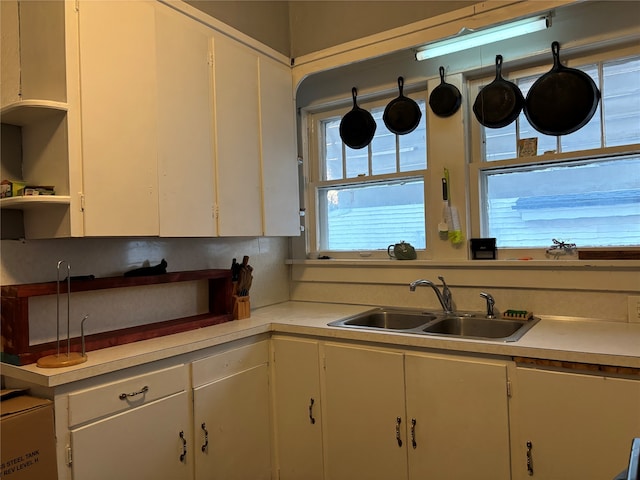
(466, 38)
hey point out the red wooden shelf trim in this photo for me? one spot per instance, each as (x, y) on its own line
(15, 313)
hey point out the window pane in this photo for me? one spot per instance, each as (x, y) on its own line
(332, 150)
(383, 147)
(620, 105)
(357, 162)
(589, 136)
(390, 153)
(413, 146)
(621, 102)
(373, 216)
(593, 204)
(500, 143)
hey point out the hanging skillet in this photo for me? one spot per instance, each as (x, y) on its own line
(357, 127)
(499, 103)
(445, 99)
(562, 100)
(402, 115)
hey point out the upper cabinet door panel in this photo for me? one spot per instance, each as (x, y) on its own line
(279, 156)
(185, 131)
(237, 126)
(119, 117)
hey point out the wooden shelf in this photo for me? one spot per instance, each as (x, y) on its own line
(15, 312)
(26, 112)
(35, 201)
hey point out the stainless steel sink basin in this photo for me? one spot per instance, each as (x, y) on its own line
(478, 327)
(388, 319)
(419, 322)
(391, 320)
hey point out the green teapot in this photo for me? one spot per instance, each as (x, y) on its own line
(401, 251)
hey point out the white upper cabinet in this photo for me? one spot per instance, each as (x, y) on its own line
(147, 121)
(237, 138)
(279, 157)
(255, 143)
(186, 179)
(119, 93)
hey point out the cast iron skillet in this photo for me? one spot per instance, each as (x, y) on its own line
(445, 99)
(402, 115)
(357, 127)
(499, 103)
(562, 100)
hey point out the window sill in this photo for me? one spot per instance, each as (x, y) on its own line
(550, 264)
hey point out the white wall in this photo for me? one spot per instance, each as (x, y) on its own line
(595, 290)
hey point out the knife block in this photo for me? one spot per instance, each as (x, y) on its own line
(241, 307)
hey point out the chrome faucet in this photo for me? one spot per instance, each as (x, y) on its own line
(444, 298)
(490, 303)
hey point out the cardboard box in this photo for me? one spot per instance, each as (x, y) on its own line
(27, 436)
(11, 188)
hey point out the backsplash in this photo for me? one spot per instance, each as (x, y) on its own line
(35, 261)
(597, 291)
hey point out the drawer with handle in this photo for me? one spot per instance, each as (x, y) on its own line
(115, 397)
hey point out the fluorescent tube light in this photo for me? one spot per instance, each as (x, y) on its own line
(464, 40)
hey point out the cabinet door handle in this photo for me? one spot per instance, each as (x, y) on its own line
(398, 439)
(413, 433)
(311, 419)
(183, 455)
(206, 436)
(529, 459)
(142, 391)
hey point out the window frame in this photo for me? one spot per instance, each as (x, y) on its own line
(477, 166)
(312, 120)
(466, 169)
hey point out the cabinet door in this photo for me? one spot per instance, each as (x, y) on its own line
(579, 426)
(119, 117)
(279, 157)
(140, 443)
(297, 409)
(185, 154)
(233, 439)
(461, 411)
(237, 139)
(363, 411)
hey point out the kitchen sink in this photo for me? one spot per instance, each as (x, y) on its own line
(507, 330)
(420, 322)
(390, 320)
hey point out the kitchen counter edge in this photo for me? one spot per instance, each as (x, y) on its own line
(610, 344)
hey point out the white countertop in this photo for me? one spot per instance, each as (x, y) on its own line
(593, 342)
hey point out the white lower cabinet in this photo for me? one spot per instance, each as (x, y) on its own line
(167, 424)
(394, 414)
(298, 408)
(460, 406)
(131, 429)
(231, 414)
(134, 444)
(364, 413)
(572, 425)
(344, 410)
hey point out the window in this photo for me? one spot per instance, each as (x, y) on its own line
(372, 197)
(582, 188)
